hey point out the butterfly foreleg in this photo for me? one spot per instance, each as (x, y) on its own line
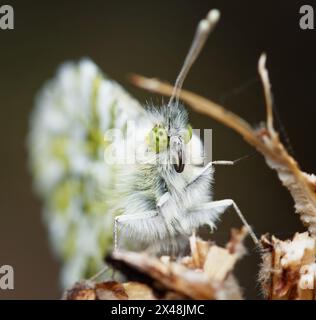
(207, 169)
(123, 219)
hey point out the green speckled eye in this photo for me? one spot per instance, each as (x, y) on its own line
(157, 139)
(187, 134)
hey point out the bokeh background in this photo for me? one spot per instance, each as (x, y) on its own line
(152, 38)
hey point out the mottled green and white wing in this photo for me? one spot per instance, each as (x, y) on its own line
(66, 145)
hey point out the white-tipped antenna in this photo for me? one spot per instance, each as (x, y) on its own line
(203, 30)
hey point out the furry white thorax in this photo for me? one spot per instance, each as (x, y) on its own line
(164, 199)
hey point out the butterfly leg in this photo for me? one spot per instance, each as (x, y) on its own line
(207, 169)
(99, 273)
(123, 219)
(214, 208)
(205, 173)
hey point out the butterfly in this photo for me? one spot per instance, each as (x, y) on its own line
(91, 204)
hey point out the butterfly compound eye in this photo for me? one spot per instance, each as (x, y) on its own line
(187, 134)
(157, 139)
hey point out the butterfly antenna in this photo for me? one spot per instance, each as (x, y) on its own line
(203, 30)
(233, 162)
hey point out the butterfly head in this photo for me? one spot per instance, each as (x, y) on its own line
(170, 134)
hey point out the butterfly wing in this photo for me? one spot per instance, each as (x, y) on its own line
(66, 146)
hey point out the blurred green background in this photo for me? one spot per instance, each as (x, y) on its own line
(152, 38)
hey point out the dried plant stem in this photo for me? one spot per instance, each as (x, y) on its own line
(267, 92)
(207, 273)
(266, 140)
(288, 268)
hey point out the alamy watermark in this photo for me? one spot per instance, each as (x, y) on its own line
(6, 277)
(6, 17)
(307, 17)
(135, 146)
